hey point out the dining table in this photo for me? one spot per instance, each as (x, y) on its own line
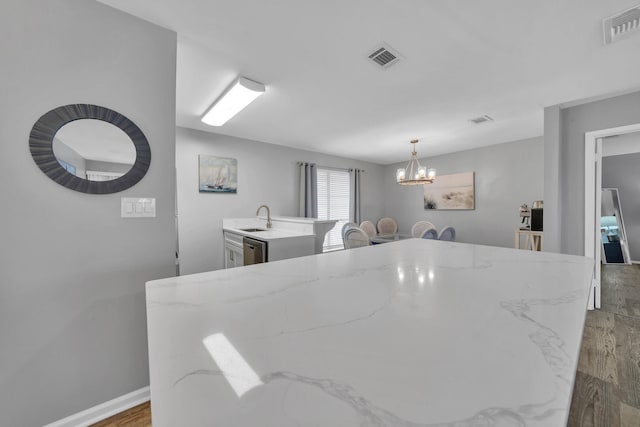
(386, 238)
(416, 333)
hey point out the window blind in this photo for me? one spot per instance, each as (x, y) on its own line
(334, 194)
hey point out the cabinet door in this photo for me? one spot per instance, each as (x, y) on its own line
(228, 258)
(233, 257)
(232, 250)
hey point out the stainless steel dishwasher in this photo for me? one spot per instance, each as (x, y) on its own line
(254, 251)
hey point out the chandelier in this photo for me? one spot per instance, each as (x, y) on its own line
(414, 173)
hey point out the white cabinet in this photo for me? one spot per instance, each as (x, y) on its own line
(232, 250)
(287, 238)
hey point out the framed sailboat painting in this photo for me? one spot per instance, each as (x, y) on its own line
(218, 174)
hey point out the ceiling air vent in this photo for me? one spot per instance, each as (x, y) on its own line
(385, 56)
(621, 24)
(481, 119)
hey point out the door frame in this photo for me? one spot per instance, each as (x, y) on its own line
(592, 199)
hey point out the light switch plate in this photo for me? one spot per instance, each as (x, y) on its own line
(138, 207)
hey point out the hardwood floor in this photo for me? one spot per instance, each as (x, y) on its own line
(607, 388)
(138, 416)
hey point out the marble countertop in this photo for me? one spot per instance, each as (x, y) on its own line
(303, 220)
(409, 333)
(269, 234)
(280, 229)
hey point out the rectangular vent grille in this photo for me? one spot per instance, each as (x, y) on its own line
(385, 56)
(621, 24)
(481, 119)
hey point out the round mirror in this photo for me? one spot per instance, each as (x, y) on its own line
(94, 150)
(90, 149)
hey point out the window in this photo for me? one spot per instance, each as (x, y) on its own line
(67, 166)
(103, 176)
(334, 194)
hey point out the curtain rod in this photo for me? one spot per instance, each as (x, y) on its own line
(330, 167)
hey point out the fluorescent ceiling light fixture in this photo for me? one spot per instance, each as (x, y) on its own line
(241, 93)
(235, 369)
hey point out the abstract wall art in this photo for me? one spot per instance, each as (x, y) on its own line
(451, 192)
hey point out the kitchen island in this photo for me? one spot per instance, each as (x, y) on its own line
(288, 237)
(410, 333)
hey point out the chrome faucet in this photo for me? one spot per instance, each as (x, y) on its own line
(268, 214)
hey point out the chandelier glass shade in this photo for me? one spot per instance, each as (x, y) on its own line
(414, 173)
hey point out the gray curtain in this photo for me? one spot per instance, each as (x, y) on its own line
(308, 190)
(356, 195)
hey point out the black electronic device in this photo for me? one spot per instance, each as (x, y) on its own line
(536, 219)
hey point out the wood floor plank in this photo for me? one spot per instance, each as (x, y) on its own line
(594, 403)
(628, 353)
(629, 416)
(632, 307)
(614, 299)
(138, 416)
(598, 351)
(595, 394)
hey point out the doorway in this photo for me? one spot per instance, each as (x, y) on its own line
(593, 200)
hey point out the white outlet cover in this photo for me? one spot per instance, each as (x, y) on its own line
(138, 207)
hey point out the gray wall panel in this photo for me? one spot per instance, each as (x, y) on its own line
(72, 310)
(576, 121)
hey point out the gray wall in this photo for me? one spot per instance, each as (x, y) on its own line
(623, 173)
(267, 174)
(506, 176)
(552, 190)
(72, 310)
(574, 123)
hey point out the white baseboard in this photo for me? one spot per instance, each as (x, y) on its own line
(635, 262)
(104, 410)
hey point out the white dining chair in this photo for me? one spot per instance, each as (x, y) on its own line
(368, 228)
(448, 234)
(346, 226)
(419, 227)
(355, 237)
(387, 225)
(430, 233)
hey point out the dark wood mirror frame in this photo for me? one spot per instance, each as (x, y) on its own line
(41, 146)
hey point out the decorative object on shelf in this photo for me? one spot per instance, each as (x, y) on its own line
(235, 98)
(451, 192)
(218, 174)
(525, 214)
(414, 173)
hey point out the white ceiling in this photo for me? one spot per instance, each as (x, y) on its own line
(98, 140)
(461, 59)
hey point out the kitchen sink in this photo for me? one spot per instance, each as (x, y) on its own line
(252, 230)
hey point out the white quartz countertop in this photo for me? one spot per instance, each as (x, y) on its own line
(269, 234)
(283, 227)
(410, 333)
